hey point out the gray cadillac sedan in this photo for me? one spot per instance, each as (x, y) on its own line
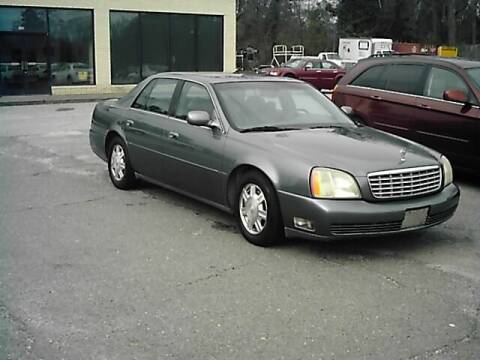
(276, 153)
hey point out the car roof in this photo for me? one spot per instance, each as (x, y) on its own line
(219, 77)
(427, 59)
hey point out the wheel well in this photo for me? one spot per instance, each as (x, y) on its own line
(108, 139)
(234, 178)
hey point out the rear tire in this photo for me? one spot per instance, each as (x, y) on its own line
(120, 169)
(257, 210)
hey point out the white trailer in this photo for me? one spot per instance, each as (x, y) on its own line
(355, 49)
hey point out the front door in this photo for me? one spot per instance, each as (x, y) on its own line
(24, 64)
(193, 153)
(449, 127)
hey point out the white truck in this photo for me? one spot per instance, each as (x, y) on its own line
(355, 49)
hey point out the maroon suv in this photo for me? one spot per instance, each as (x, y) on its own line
(431, 100)
(321, 74)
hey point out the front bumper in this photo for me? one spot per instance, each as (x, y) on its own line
(335, 219)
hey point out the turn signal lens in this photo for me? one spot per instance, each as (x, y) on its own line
(333, 184)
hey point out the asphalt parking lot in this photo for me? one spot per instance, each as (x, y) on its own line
(91, 272)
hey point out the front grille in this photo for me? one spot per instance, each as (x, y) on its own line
(402, 183)
(356, 229)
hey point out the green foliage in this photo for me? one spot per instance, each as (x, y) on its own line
(317, 24)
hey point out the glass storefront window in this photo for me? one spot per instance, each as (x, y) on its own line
(125, 47)
(183, 43)
(23, 19)
(210, 43)
(143, 44)
(71, 47)
(155, 43)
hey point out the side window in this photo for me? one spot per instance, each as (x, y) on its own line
(193, 97)
(363, 45)
(439, 80)
(161, 96)
(313, 64)
(141, 101)
(371, 78)
(405, 78)
(328, 65)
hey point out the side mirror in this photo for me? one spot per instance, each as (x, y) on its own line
(347, 110)
(308, 67)
(198, 118)
(456, 96)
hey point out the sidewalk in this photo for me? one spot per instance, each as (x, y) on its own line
(54, 99)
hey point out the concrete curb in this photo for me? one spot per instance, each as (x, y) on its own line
(52, 99)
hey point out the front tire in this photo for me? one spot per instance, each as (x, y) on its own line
(120, 169)
(257, 210)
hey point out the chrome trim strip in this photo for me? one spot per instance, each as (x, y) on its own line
(392, 126)
(399, 171)
(444, 136)
(411, 95)
(178, 159)
(168, 117)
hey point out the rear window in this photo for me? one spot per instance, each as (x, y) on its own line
(372, 78)
(405, 78)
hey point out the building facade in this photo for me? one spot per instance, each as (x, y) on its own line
(107, 46)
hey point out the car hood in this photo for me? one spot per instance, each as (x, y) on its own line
(359, 150)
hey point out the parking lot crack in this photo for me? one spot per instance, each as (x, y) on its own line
(65, 204)
(216, 274)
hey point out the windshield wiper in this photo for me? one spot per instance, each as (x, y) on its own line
(268, 128)
(327, 127)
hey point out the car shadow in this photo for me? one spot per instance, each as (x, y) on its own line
(467, 178)
(366, 247)
(220, 219)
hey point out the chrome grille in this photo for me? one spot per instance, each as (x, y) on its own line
(401, 183)
(361, 229)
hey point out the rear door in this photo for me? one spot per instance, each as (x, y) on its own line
(327, 75)
(449, 127)
(194, 154)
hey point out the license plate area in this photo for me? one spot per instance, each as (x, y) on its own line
(415, 217)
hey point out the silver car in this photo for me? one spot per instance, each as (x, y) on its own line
(276, 153)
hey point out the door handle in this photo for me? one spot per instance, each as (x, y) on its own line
(424, 106)
(376, 97)
(173, 135)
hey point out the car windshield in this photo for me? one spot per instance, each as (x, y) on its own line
(475, 75)
(276, 106)
(296, 63)
(333, 56)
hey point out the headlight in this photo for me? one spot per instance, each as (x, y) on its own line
(274, 73)
(447, 171)
(333, 184)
